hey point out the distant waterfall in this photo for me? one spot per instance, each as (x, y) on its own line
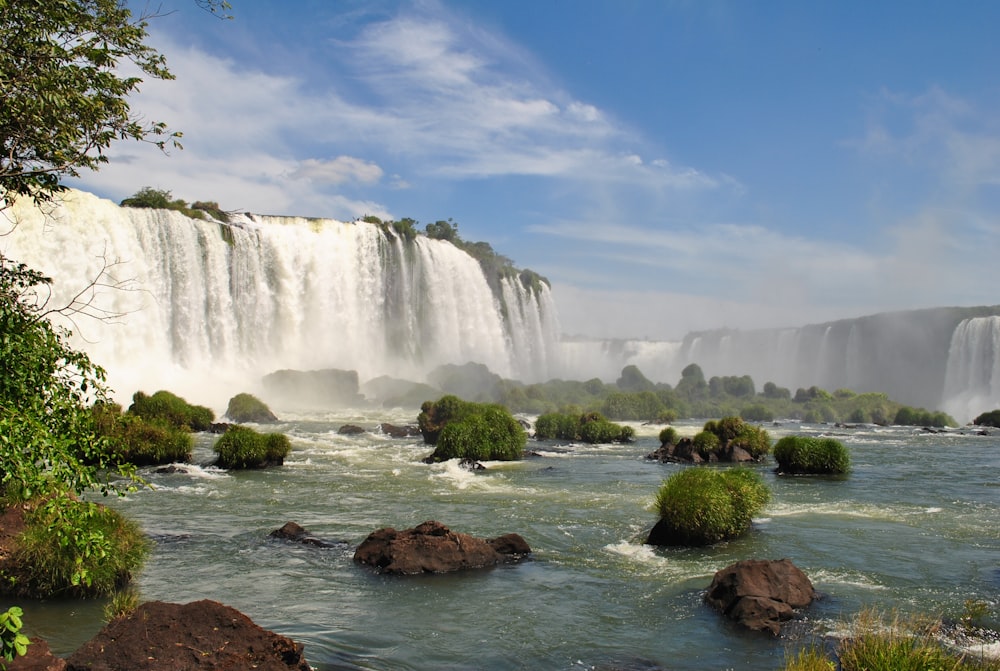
(212, 308)
(972, 380)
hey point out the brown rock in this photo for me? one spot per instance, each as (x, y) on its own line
(760, 594)
(432, 547)
(39, 658)
(199, 635)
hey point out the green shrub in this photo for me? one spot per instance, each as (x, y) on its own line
(557, 426)
(171, 408)
(249, 408)
(753, 439)
(12, 642)
(706, 443)
(808, 455)
(591, 427)
(490, 433)
(75, 548)
(243, 447)
(137, 441)
(907, 416)
(757, 412)
(435, 415)
(701, 506)
(669, 436)
(991, 418)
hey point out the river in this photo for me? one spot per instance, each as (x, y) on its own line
(915, 526)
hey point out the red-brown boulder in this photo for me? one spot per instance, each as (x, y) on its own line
(203, 635)
(432, 547)
(760, 594)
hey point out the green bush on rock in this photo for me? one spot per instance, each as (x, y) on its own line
(139, 442)
(171, 408)
(488, 432)
(591, 427)
(701, 506)
(249, 408)
(242, 447)
(74, 549)
(809, 455)
(991, 418)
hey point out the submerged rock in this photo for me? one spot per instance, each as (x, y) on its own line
(760, 594)
(432, 547)
(292, 531)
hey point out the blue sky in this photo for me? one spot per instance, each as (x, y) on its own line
(669, 165)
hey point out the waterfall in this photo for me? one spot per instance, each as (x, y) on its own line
(972, 378)
(208, 309)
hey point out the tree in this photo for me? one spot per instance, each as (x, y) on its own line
(64, 97)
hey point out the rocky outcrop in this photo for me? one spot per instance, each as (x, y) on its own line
(760, 594)
(395, 431)
(432, 547)
(350, 430)
(39, 658)
(315, 389)
(198, 635)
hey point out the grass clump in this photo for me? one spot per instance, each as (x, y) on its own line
(810, 658)
(75, 549)
(141, 442)
(249, 408)
(241, 447)
(590, 427)
(163, 405)
(813, 456)
(701, 506)
(488, 433)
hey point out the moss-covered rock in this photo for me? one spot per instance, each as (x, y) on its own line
(248, 408)
(701, 506)
(139, 441)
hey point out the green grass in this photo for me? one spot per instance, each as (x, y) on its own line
(808, 455)
(75, 548)
(242, 447)
(701, 506)
(879, 641)
(490, 433)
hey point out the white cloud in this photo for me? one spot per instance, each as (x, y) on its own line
(339, 170)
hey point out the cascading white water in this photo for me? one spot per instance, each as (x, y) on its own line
(972, 378)
(211, 308)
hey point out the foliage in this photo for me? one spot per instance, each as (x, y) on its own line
(757, 412)
(243, 447)
(590, 427)
(47, 436)
(706, 443)
(632, 380)
(990, 418)
(891, 642)
(121, 604)
(12, 642)
(810, 455)
(636, 406)
(669, 436)
(704, 506)
(65, 92)
(76, 548)
(158, 199)
(168, 407)
(248, 408)
(907, 416)
(488, 432)
(141, 442)
(435, 415)
(810, 658)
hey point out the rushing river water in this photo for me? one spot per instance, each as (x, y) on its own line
(916, 525)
